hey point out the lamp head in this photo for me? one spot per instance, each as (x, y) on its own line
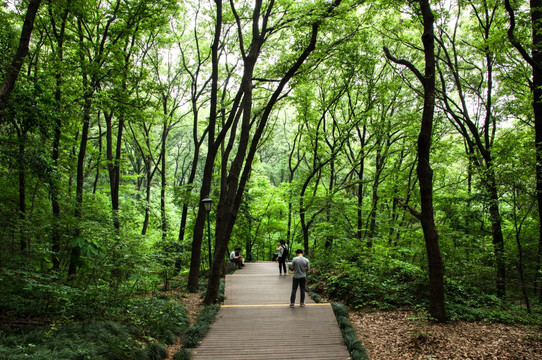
(207, 203)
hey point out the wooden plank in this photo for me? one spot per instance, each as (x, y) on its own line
(257, 322)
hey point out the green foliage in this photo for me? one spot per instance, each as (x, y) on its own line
(87, 340)
(200, 327)
(29, 293)
(119, 69)
(182, 354)
(221, 296)
(153, 351)
(159, 318)
(150, 318)
(315, 297)
(356, 349)
(376, 281)
(467, 302)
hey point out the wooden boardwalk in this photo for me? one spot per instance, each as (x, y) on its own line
(256, 321)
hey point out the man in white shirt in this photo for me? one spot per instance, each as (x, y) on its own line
(237, 258)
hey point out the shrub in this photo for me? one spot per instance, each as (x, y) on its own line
(153, 351)
(88, 340)
(356, 349)
(385, 283)
(196, 332)
(182, 354)
(156, 318)
(159, 318)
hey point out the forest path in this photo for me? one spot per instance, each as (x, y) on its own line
(256, 321)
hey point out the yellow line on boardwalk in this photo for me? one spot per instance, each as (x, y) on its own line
(270, 305)
(239, 275)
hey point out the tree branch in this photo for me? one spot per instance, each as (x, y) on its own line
(515, 41)
(413, 211)
(406, 63)
(15, 66)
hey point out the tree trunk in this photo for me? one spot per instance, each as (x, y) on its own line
(496, 231)
(148, 187)
(113, 163)
(535, 61)
(291, 172)
(22, 188)
(423, 169)
(76, 249)
(100, 152)
(18, 59)
(521, 266)
(193, 170)
(362, 136)
(425, 173)
(205, 190)
(55, 179)
(228, 207)
(394, 216)
(231, 200)
(536, 20)
(379, 161)
(163, 182)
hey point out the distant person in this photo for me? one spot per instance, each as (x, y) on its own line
(299, 266)
(282, 257)
(237, 258)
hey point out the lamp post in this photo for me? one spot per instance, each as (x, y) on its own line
(207, 204)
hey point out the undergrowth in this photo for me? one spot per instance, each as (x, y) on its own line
(356, 349)
(87, 340)
(200, 327)
(55, 321)
(386, 284)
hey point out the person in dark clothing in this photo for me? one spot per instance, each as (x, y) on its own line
(282, 257)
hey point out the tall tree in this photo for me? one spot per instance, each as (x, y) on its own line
(241, 166)
(198, 88)
(535, 61)
(478, 129)
(95, 46)
(58, 30)
(212, 150)
(424, 171)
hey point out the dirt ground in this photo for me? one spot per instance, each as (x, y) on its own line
(193, 304)
(402, 334)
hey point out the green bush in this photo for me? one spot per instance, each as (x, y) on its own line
(88, 340)
(377, 281)
(30, 294)
(153, 351)
(196, 332)
(161, 319)
(469, 303)
(148, 318)
(382, 283)
(182, 354)
(356, 349)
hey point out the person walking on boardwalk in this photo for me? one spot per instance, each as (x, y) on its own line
(299, 265)
(282, 257)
